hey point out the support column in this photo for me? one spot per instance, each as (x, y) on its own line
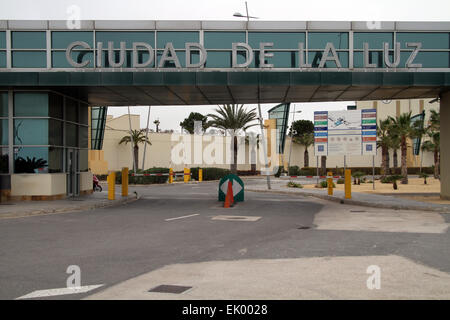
(445, 145)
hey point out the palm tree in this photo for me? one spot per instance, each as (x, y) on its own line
(433, 144)
(306, 140)
(384, 142)
(403, 129)
(234, 118)
(138, 136)
(157, 123)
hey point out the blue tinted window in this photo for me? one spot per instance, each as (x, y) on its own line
(222, 40)
(3, 40)
(319, 40)
(374, 39)
(428, 59)
(59, 58)
(429, 40)
(28, 40)
(3, 104)
(314, 58)
(62, 39)
(29, 59)
(4, 132)
(31, 131)
(281, 40)
(125, 36)
(222, 59)
(2, 59)
(280, 59)
(38, 160)
(30, 104)
(178, 38)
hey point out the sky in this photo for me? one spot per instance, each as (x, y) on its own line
(324, 10)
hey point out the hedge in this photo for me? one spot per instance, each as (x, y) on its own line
(210, 173)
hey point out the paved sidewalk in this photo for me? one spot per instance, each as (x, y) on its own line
(31, 208)
(358, 198)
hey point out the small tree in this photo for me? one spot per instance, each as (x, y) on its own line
(394, 179)
(302, 132)
(424, 176)
(384, 142)
(157, 123)
(188, 123)
(357, 177)
(137, 136)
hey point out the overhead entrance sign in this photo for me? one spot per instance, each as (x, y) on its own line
(345, 132)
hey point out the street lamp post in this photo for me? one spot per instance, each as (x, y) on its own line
(292, 138)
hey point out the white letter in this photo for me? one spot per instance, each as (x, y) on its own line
(249, 55)
(73, 281)
(203, 55)
(412, 57)
(301, 53)
(111, 55)
(396, 55)
(330, 48)
(69, 54)
(367, 64)
(263, 55)
(165, 56)
(149, 48)
(374, 281)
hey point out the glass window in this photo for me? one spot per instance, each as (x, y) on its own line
(4, 160)
(280, 59)
(222, 40)
(4, 132)
(222, 59)
(429, 40)
(319, 40)
(31, 159)
(374, 39)
(71, 135)
(55, 105)
(31, 132)
(281, 40)
(428, 59)
(83, 136)
(2, 40)
(374, 57)
(59, 58)
(56, 133)
(126, 36)
(2, 59)
(71, 110)
(84, 113)
(29, 59)
(128, 62)
(62, 39)
(181, 55)
(55, 160)
(314, 57)
(84, 164)
(3, 104)
(28, 40)
(30, 104)
(178, 38)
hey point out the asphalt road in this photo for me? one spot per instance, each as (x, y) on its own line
(112, 245)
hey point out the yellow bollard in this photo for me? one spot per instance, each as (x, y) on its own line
(348, 184)
(330, 183)
(125, 182)
(187, 175)
(112, 186)
(171, 175)
(200, 175)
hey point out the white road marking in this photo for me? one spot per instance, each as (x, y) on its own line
(237, 218)
(183, 217)
(59, 292)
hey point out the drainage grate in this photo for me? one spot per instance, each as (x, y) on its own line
(303, 228)
(166, 288)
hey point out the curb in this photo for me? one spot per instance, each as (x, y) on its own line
(47, 211)
(354, 202)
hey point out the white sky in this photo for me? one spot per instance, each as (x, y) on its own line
(331, 10)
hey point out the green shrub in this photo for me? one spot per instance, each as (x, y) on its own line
(308, 171)
(324, 184)
(294, 171)
(294, 185)
(341, 181)
(210, 173)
